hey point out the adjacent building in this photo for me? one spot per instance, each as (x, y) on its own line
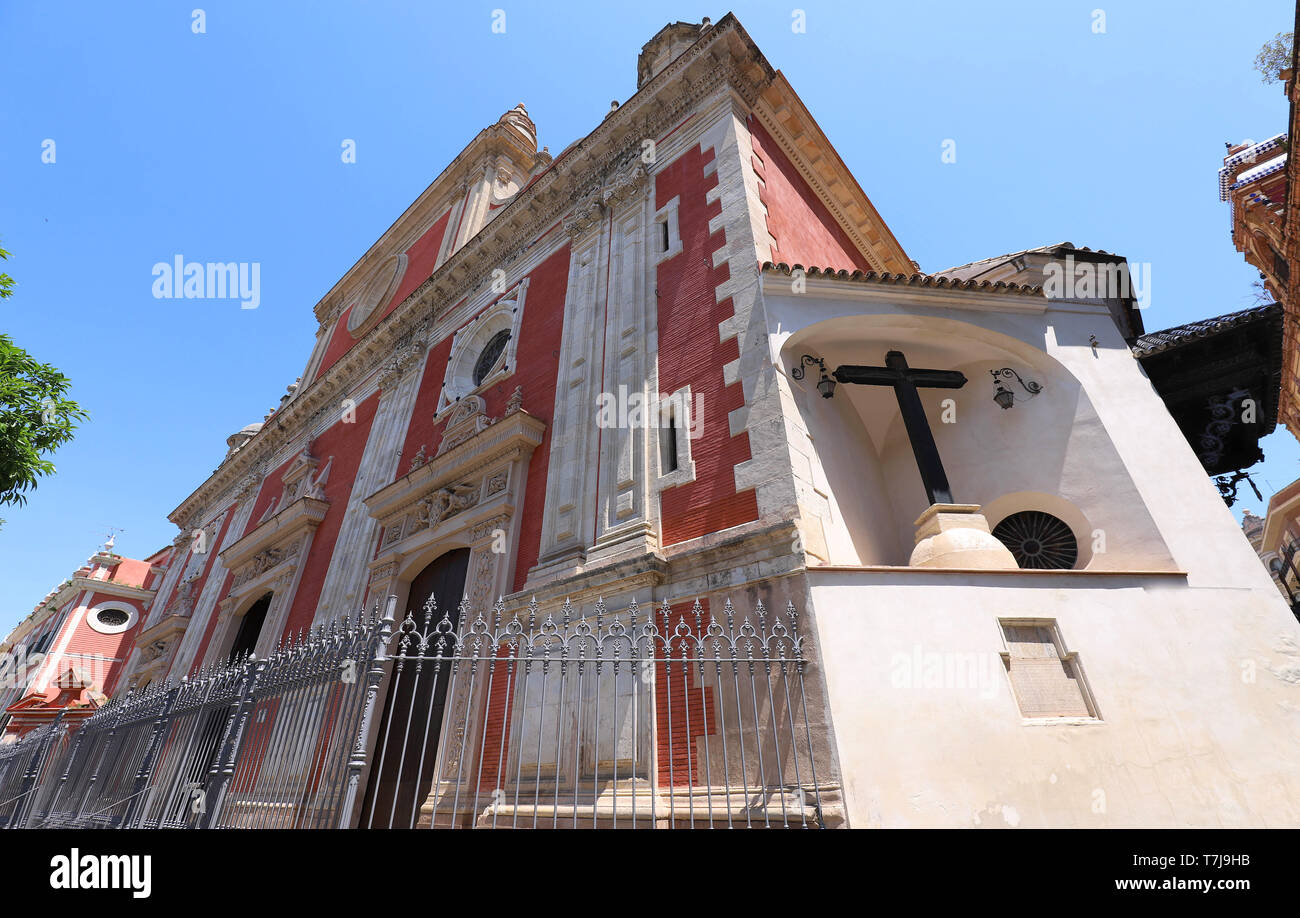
(69, 655)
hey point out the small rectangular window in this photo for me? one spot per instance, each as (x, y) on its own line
(663, 236)
(1047, 680)
(668, 444)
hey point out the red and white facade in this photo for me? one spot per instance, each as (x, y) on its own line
(571, 377)
(627, 266)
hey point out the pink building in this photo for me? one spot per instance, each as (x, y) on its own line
(69, 655)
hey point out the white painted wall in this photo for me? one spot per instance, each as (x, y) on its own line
(1190, 653)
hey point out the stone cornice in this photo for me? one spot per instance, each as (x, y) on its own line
(514, 435)
(916, 290)
(302, 515)
(170, 626)
(793, 127)
(724, 55)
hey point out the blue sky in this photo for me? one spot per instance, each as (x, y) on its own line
(225, 146)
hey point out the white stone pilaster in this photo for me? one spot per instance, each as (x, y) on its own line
(345, 582)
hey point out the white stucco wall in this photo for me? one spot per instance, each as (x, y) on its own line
(1200, 710)
(1192, 658)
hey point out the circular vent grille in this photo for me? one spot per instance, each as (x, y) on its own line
(112, 617)
(1038, 540)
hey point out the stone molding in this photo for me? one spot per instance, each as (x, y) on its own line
(450, 482)
(466, 495)
(273, 549)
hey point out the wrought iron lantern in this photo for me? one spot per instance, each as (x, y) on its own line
(1004, 396)
(825, 385)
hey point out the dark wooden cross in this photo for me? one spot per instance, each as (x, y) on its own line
(906, 381)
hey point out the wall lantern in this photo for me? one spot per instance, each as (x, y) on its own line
(1004, 396)
(825, 385)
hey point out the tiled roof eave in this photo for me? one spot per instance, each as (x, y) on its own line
(1166, 339)
(933, 281)
(1248, 155)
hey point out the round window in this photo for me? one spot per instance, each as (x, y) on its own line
(492, 352)
(1038, 540)
(111, 620)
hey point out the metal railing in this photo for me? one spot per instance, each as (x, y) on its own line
(671, 717)
(666, 718)
(254, 743)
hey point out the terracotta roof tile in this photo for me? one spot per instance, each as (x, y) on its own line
(1157, 341)
(907, 280)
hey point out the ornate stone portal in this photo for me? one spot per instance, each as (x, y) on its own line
(466, 495)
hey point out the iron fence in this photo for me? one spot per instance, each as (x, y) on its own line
(252, 743)
(671, 717)
(666, 718)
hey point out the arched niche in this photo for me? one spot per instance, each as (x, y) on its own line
(1048, 448)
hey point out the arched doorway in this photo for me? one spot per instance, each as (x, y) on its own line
(404, 769)
(250, 628)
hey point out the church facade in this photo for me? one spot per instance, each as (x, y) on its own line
(685, 362)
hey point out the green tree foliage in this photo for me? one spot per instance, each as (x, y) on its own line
(35, 417)
(1274, 57)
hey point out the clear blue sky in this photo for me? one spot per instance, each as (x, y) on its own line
(225, 146)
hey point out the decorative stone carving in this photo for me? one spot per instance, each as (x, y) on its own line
(516, 401)
(419, 458)
(463, 495)
(481, 576)
(441, 504)
(300, 480)
(586, 214)
(264, 561)
(628, 178)
(466, 420)
(484, 530)
(408, 353)
(182, 601)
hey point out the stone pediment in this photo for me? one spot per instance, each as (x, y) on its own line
(471, 473)
(156, 640)
(300, 517)
(275, 547)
